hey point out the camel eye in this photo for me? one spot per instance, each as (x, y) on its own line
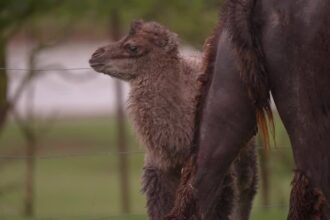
(132, 48)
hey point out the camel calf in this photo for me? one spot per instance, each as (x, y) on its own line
(162, 106)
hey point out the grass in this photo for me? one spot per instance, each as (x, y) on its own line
(88, 187)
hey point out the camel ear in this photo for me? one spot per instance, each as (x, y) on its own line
(172, 42)
(161, 41)
(135, 25)
(167, 41)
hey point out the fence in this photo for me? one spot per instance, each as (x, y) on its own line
(34, 156)
(109, 153)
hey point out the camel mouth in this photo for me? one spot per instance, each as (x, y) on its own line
(106, 69)
(98, 67)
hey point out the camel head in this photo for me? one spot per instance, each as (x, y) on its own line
(142, 51)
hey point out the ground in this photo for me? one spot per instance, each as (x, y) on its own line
(85, 185)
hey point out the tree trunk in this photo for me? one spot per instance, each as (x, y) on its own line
(122, 135)
(30, 177)
(31, 138)
(3, 84)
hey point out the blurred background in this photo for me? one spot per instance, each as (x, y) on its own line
(66, 148)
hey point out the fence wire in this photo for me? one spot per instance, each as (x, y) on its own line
(140, 215)
(48, 69)
(99, 154)
(68, 156)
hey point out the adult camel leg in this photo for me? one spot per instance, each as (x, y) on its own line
(228, 123)
(298, 63)
(311, 183)
(160, 187)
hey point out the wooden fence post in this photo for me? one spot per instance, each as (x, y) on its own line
(123, 167)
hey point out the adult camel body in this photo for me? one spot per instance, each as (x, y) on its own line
(264, 46)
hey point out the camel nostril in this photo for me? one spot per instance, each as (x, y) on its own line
(98, 52)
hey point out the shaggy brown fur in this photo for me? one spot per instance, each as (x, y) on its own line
(185, 206)
(233, 203)
(307, 202)
(162, 106)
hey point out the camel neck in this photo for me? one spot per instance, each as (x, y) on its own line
(159, 90)
(160, 79)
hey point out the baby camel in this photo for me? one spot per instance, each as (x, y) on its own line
(162, 106)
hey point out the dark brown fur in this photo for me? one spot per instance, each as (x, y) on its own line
(235, 200)
(283, 47)
(307, 202)
(186, 206)
(186, 203)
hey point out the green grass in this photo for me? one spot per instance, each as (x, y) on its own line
(88, 187)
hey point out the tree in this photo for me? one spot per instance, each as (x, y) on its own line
(13, 15)
(193, 20)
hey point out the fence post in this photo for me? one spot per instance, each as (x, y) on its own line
(3, 84)
(31, 140)
(123, 167)
(30, 177)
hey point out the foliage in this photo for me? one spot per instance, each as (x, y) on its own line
(193, 20)
(14, 13)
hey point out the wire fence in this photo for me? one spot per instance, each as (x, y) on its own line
(48, 69)
(101, 154)
(137, 215)
(68, 156)
(127, 216)
(108, 217)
